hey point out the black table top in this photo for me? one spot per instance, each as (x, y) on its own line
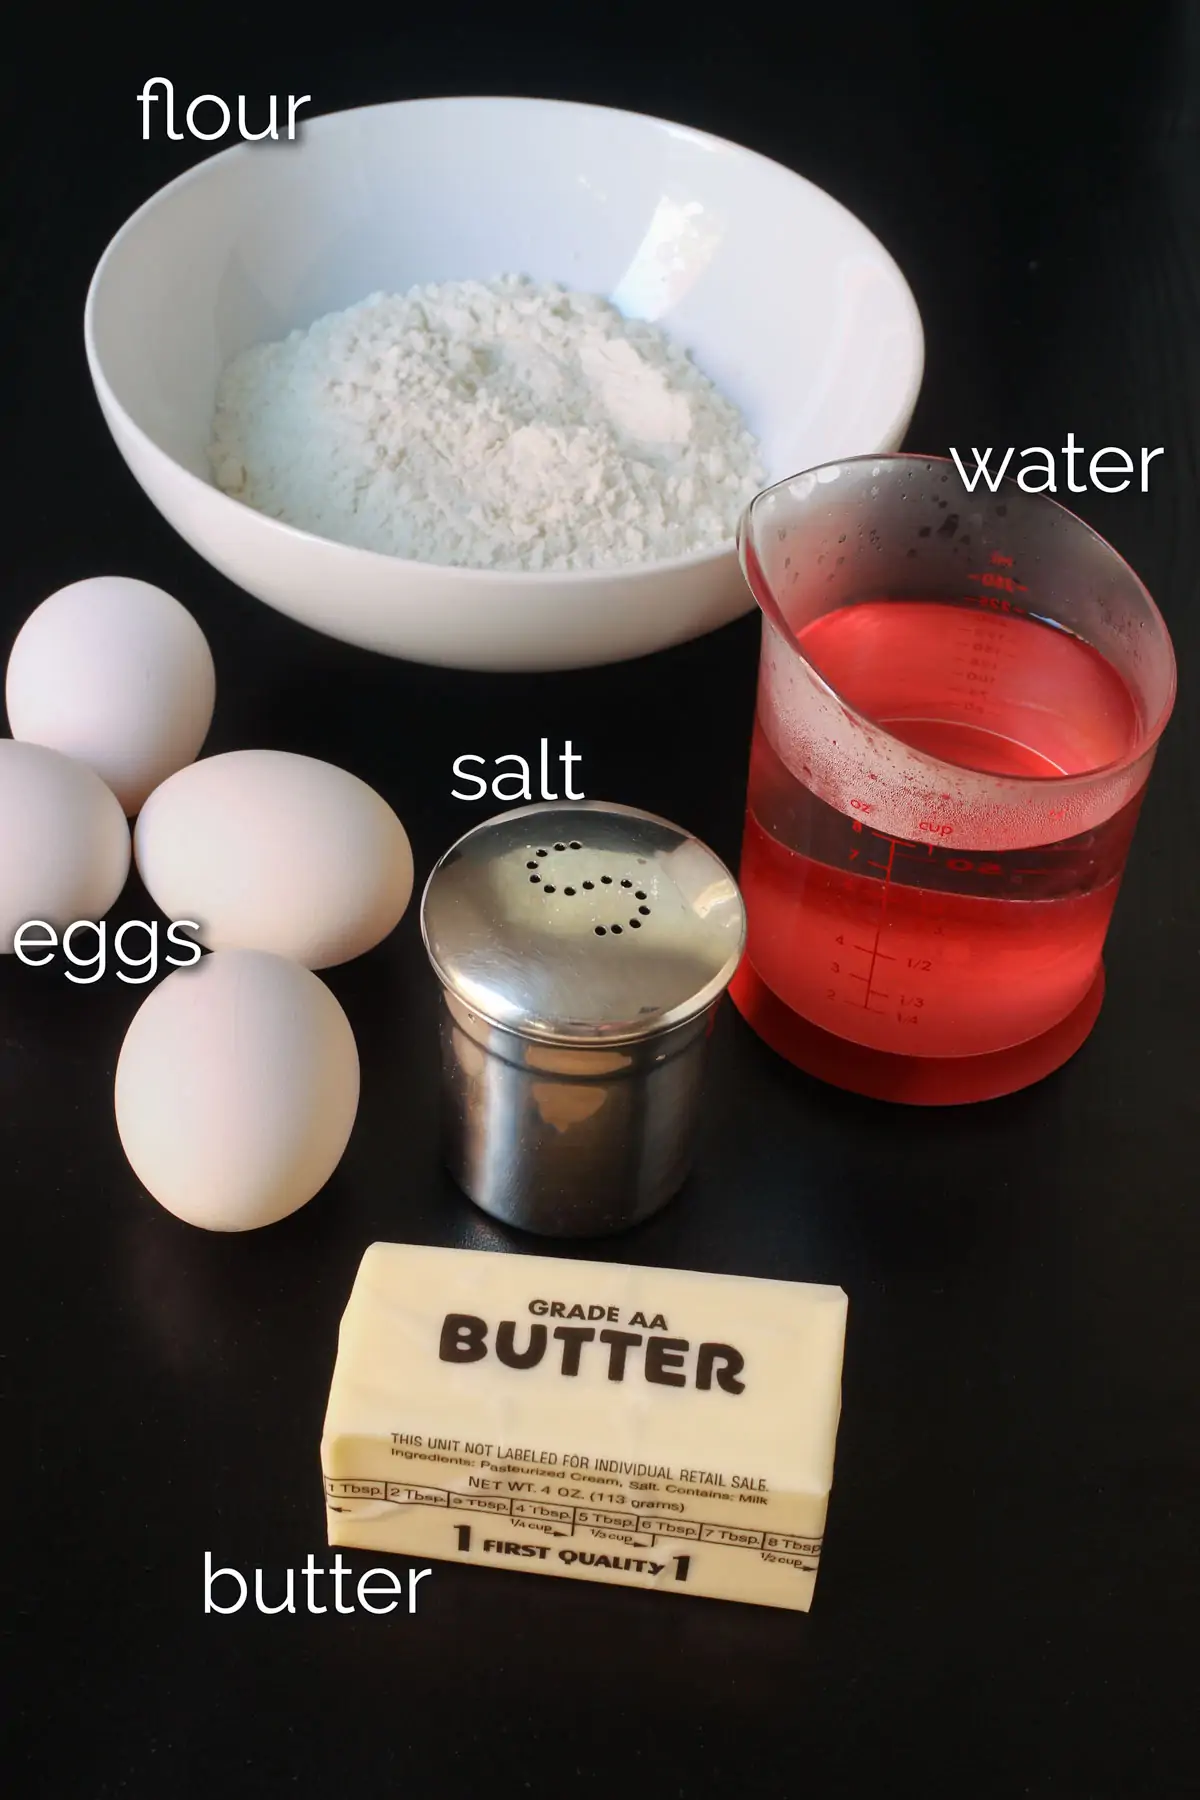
(1006, 1598)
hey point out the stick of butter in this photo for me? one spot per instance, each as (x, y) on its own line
(651, 1427)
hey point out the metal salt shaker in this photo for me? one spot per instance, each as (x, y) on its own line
(582, 950)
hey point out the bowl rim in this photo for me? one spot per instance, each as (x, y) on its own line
(498, 578)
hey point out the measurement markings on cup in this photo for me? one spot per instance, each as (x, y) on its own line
(876, 953)
(874, 950)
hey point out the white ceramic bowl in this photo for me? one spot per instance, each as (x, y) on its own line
(786, 301)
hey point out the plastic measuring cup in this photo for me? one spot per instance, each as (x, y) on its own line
(960, 696)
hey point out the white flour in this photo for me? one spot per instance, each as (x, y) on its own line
(501, 424)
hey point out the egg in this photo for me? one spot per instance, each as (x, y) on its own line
(266, 850)
(64, 841)
(118, 675)
(236, 1090)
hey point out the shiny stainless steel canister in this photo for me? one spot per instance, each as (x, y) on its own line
(582, 951)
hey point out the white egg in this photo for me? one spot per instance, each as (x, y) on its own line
(265, 850)
(117, 674)
(236, 1090)
(64, 841)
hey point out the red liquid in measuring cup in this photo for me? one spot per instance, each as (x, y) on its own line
(916, 949)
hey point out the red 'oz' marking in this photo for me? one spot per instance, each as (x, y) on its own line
(1007, 582)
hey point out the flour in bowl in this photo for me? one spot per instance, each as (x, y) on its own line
(505, 424)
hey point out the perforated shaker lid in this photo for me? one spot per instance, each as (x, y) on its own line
(583, 923)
